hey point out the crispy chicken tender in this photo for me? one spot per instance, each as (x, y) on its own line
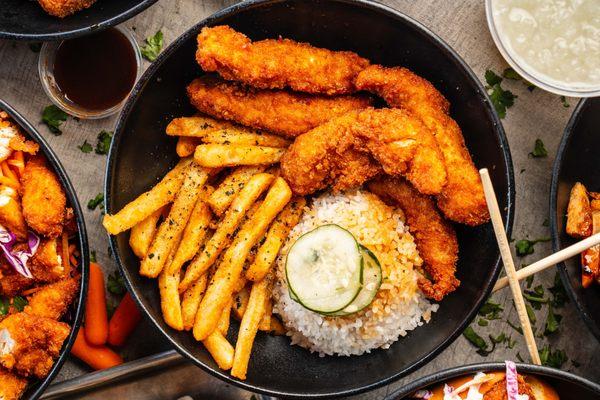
(498, 390)
(29, 344)
(64, 8)
(43, 198)
(11, 385)
(346, 152)
(52, 301)
(277, 111)
(277, 63)
(462, 199)
(434, 236)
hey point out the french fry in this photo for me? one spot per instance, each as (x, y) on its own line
(224, 155)
(277, 327)
(141, 234)
(229, 271)
(222, 236)
(191, 300)
(224, 194)
(240, 302)
(579, 212)
(278, 232)
(223, 325)
(241, 137)
(144, 205)
(186, 145)
(220, 349)
(249, 326)
(174, 224)
(196, 126)
(265, 322)
(168, 284)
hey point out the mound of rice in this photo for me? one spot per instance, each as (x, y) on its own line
(399, 305)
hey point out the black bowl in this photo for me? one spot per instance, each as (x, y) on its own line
(26, 20)
(141, 153)
(576, 161)
(567, 385)
(75, 314)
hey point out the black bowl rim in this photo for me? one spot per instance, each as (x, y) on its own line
(83, 242)
(446, 374)
(386, 10)
(111, 21)
(568, 134)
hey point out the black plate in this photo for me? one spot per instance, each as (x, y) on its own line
(26, 20)
(141, 153)
(577, 160)
(75, 314)
(567, 385)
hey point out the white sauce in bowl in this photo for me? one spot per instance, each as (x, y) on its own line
(555, 41)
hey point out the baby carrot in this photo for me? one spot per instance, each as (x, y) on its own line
(96, 321)
(123, 321)
(97, 357)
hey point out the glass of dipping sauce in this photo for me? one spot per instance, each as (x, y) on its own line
(91, 77)
(554, 44)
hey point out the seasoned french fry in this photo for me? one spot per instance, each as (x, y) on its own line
(222, 236)
(220, 349)
(240, 301)
(142, 233)
(174, 224)
(249, 326)
(191, 300)
(229, 271)
(579, 212)
(144, 205)
(224, 194)
(224, 155)
(196, 126)
(186, 145)
(169, 295)
(265, 322)
(223, 326)
(240, 137)
(267, 252)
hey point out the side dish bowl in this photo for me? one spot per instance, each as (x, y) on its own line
(141, 153)
(576, 161)
(75, 314)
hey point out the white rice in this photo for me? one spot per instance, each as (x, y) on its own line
(398, 307)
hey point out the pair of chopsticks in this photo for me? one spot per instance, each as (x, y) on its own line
(512, 275)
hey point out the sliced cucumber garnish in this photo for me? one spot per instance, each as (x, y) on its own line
(324, 269)
(371, 284)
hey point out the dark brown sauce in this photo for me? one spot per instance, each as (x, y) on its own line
(97, 71)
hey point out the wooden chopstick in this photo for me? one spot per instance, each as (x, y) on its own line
(552, 260)
(509, 265)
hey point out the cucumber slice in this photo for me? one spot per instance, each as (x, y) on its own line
(324, 269)
(371, 284)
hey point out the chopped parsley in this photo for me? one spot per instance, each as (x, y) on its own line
(554, 359)
(53, 117)
(515, 327)
(525, 247)
(529, 281)
(96, 201)
(490, 310)
(482, 322)
(19, 303)
(93, 256)
(538, 149)
(501, 99)
(85, 147)
(103, 144)
(530, 314)
(153, 46)
(510, 73)
(552, 321)
(559, 294)
(564, 102)
(477, 341)
(115, 284)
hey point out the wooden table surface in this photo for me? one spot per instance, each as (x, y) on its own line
(462, 24)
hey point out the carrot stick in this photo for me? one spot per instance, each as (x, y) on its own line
(8, 172)
(123, 321)
(96, 321)
(97, 357)
(5, 180)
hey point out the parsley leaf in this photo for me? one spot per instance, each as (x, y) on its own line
(515, 327)
(551, 358)
(510, 73)
(96, 201)
(115, 284)
(552, 322)
(85, 147)
(564, 102)
(529, 281)
(477, 341)
(538, 149)
(490, 310)
(153, 46)
(492, 78)
(530, 314)
(501, 99)
(482, 322)
(93, 256)
(525, 247)
(103, 143)
(559, 294)
(19, 303)
(53, 117)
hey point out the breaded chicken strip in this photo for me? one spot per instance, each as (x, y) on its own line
(11, 214)
(52, 301)
(63, 8)
(434, 236)
(498, 390)
(393, 138)
(277, 63)
(276, 111)
(11, 386)
(43, 198)
(462, 199)
(29, 344)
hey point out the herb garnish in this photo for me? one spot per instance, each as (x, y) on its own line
(115, 284)
(96, 201)
(501, 99)
(4, 306)
(552, 321)
(153, 46)
(53, 117)
(103, 143)
(93, 256)
(551, 358)
(490, 310)
(525, 247)
(477, 341)
(539, 150)
(19, 303)
(510, 73)
(85, 147)
(564, 102)
(559, 294)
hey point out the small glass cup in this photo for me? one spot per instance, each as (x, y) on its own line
(46, 73)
